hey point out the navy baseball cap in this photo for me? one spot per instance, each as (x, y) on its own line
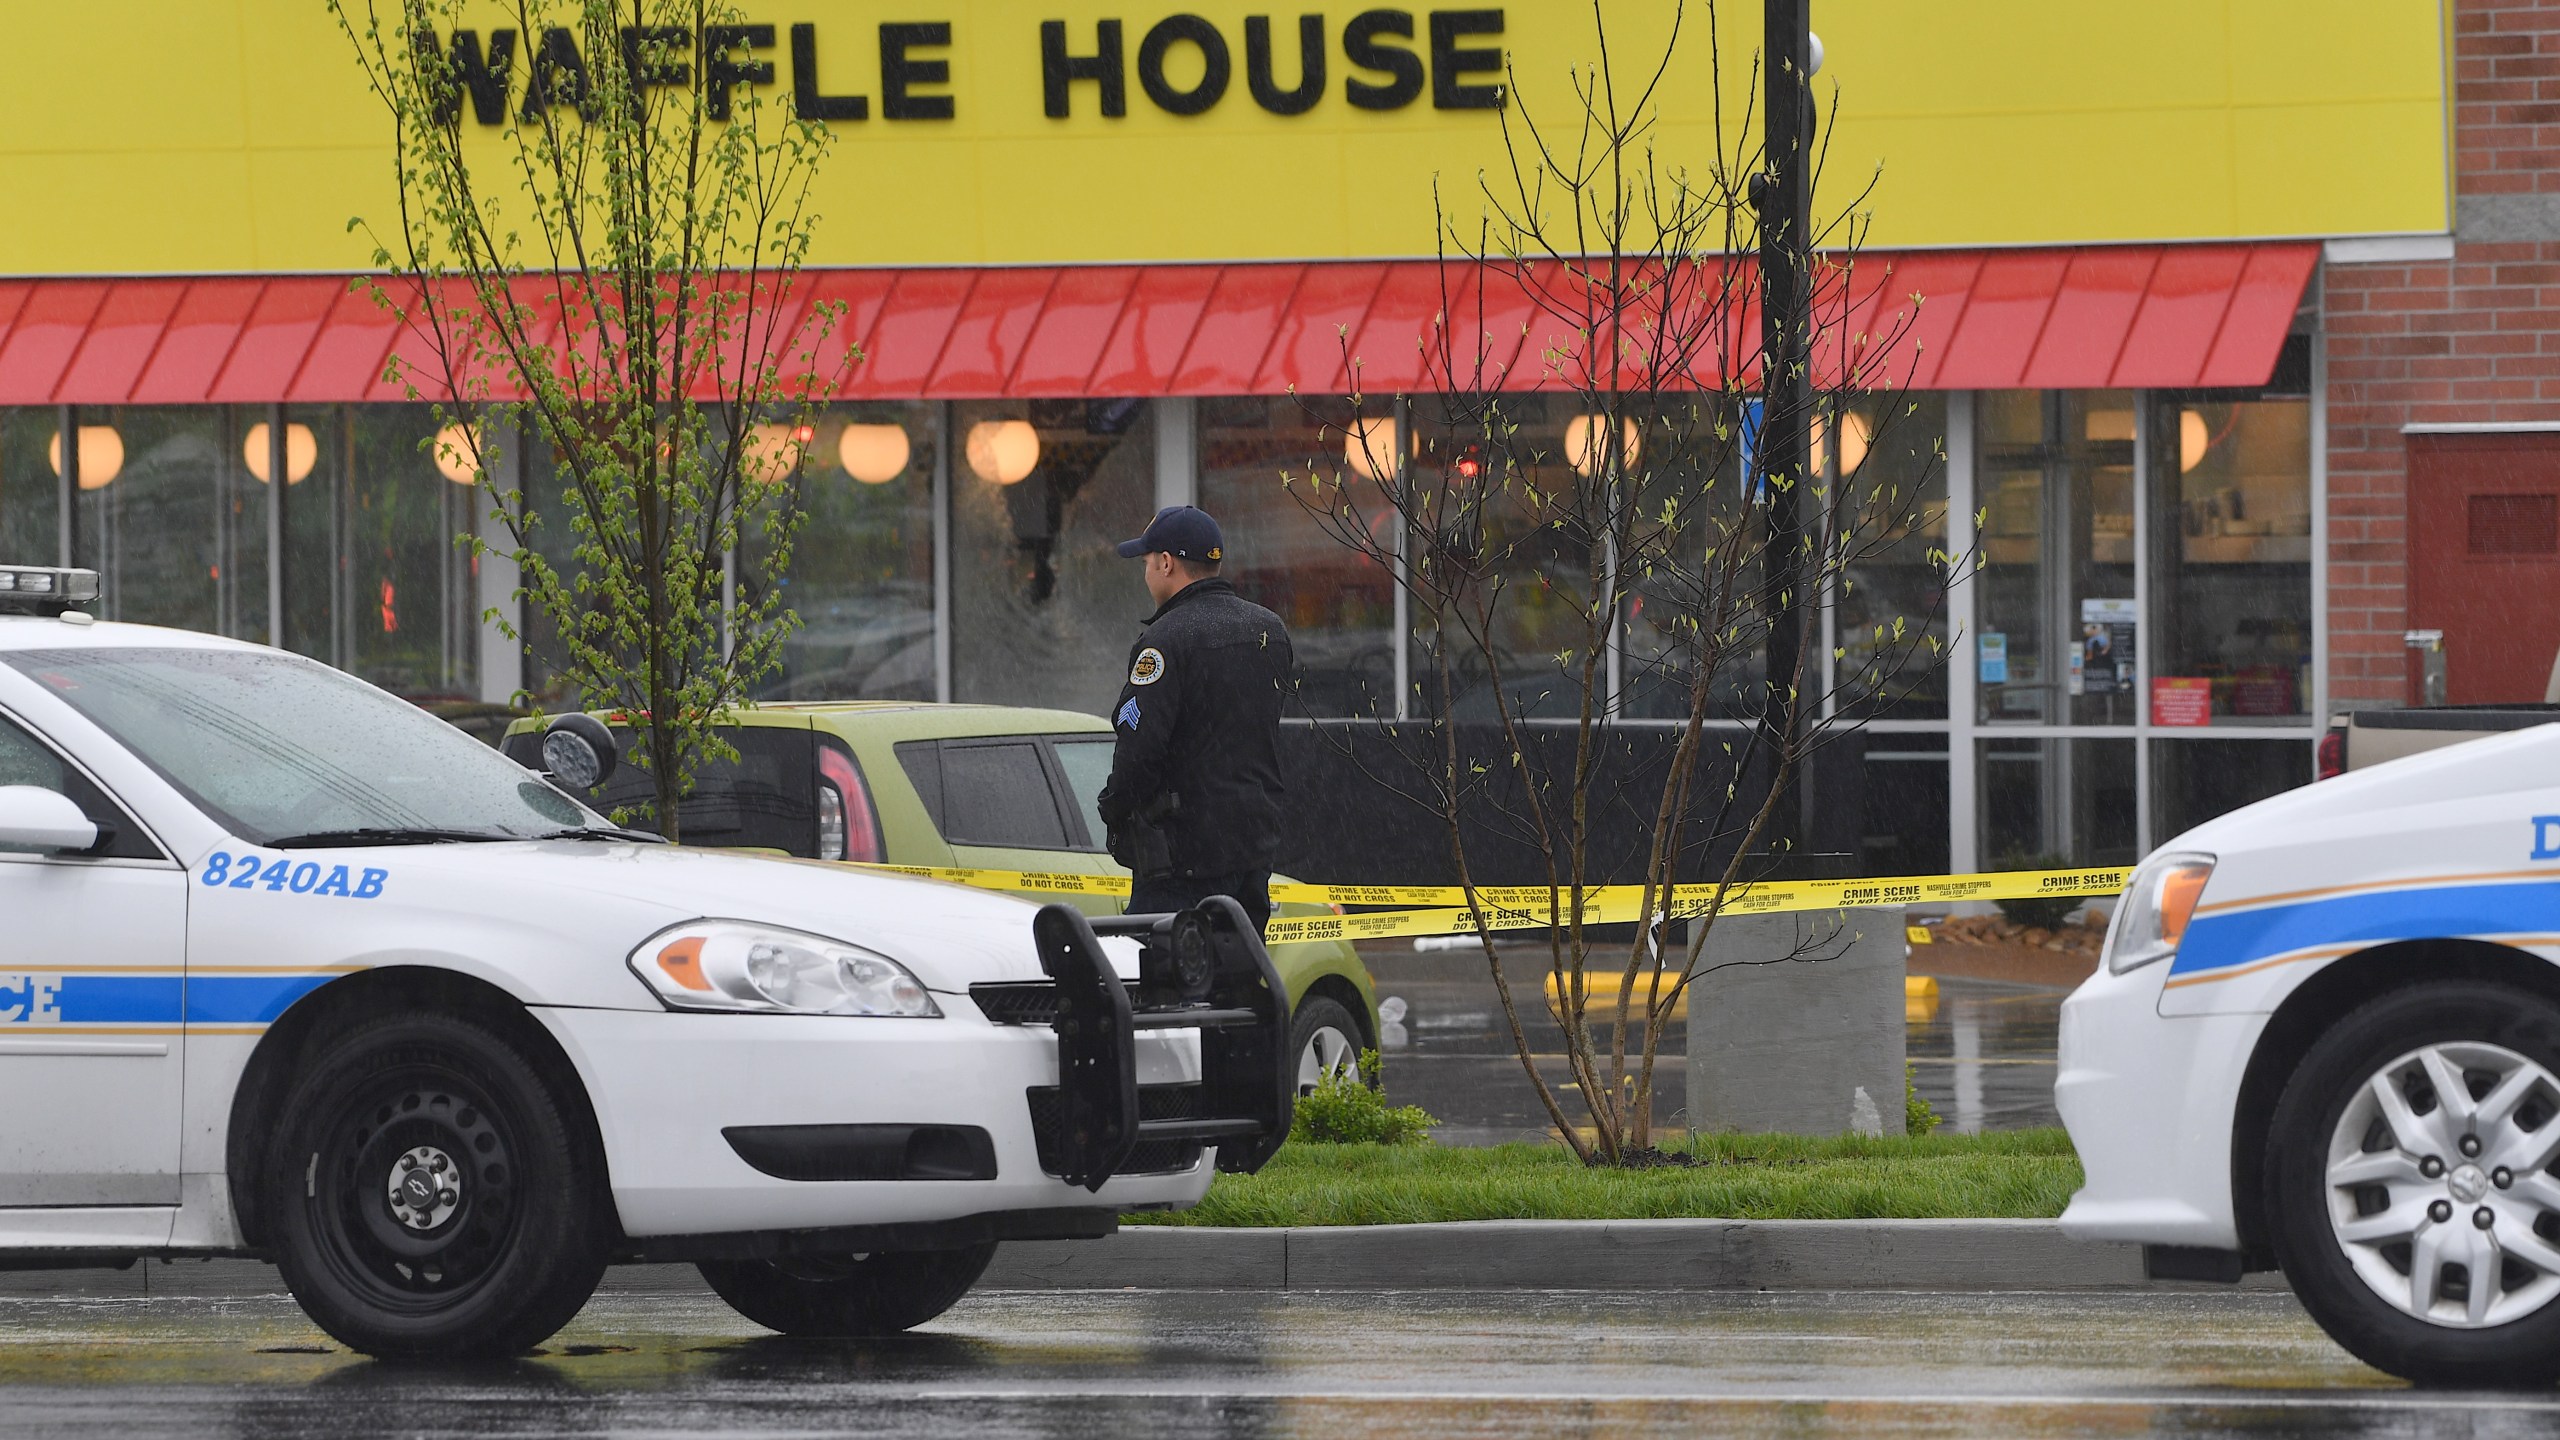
(1184, 530)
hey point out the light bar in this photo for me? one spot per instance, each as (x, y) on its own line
(46, 587)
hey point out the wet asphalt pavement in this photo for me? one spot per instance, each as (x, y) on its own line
(1983, 1055)
(667, 1359)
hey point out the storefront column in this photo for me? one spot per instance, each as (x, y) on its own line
(1177, 452)
(495, 577)
(2319, 699)
(66, 443)
(943, 440)
(2147, 635)
(277, 547)
(1964, 657)
(1403, 413)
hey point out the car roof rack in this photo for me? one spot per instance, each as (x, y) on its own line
(44, 589)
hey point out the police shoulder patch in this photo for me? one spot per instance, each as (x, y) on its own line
(1148, 668)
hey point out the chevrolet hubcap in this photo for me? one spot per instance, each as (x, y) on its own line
(425, 1188)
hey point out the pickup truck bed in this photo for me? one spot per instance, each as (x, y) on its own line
(2370, 737)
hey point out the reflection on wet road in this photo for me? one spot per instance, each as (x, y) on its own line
(1983, 1055)
(657, 1356)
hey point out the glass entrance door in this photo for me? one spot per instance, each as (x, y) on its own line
(2057, 626)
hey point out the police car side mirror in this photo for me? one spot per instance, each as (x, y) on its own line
(32, 818)
(578, 752)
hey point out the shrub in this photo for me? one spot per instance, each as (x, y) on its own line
(1348, 1109)
(1919, 1117)
(2036, 912)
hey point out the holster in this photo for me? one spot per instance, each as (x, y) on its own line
(1139, 841)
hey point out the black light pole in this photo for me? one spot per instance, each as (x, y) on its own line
(1783, 194)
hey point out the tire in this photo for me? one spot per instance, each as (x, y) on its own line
(1326, 1040)
(488, 1266)
(2370, 1238)
(849, 1297)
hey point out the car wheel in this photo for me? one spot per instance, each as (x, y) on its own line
(431, 1195)
(2410, 1184)
(1326, 1040)
(848, 1296)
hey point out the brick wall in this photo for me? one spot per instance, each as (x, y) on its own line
(2473, 339)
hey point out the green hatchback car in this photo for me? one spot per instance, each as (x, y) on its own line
(982, 786)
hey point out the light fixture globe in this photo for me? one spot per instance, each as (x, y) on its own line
(875, 454)
(2194, 438)
(1373, 446)
(101, 455)
(1857, 437)
(1003, 452)
(458, 454)
(1585, 438)
(301, 453)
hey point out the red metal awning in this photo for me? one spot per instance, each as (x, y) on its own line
(2093, 317)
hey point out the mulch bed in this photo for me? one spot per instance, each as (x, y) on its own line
(1991, 947)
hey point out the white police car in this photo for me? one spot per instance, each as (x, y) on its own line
(2326, 1037)
(289, 968)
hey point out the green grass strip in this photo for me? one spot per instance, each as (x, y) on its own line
(2018, 1174)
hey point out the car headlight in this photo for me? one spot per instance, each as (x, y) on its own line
(2153, 916)
(727, 965)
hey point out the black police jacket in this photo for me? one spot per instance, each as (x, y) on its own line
(1195, 768)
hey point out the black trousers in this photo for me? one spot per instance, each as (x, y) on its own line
(1250, 888)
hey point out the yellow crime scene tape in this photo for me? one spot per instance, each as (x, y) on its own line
(1443, 909)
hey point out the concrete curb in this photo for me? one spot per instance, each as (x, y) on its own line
(1590, 1255)
(1598, 1255)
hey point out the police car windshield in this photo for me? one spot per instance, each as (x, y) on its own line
(276, 746)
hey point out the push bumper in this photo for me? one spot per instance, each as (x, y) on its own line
(1202, 970)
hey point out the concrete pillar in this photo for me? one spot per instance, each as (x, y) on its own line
(1177, 452)
(494, 584)
(1809, 1046)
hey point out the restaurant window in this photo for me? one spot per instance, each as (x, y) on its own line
(1492, 475)
(1043, 609)
(1890, 622)
(2055, 604)
(2059, 802)
(1689, 459)
(170, 518)
(2231, 558)
(1277, 475)
(861, 574)
(379, 580)
(554, 538)
(1880, 800)
(2195, 779)
(30, 490)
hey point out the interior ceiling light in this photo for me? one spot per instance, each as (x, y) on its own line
(1003, 452)
(301, 453)
(876, 454)
(101, 455)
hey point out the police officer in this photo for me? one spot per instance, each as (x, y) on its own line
(1193, 803)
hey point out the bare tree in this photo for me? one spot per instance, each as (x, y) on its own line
(1585, 538)
(602, 223)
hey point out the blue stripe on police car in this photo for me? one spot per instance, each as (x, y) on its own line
(36, 999)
